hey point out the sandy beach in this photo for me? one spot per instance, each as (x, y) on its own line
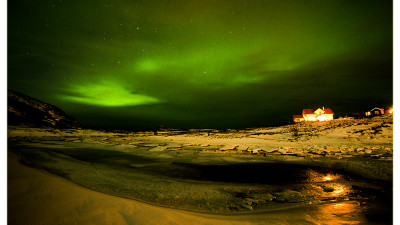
(37, 197)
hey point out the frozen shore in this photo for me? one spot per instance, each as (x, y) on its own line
(230, 172)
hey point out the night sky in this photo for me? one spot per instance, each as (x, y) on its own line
(140, 64)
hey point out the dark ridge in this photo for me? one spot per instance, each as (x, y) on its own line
(28, 111)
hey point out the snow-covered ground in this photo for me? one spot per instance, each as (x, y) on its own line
(235, 171)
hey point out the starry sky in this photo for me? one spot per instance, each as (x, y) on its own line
(140, 64)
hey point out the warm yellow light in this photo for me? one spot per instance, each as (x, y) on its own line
(321, 117)
(339, 190)
(327, 178)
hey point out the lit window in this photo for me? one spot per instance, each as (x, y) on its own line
(321, 117)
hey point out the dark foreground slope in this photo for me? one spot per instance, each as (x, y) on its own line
(25, 110)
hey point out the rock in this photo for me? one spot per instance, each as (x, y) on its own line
(263, 198)
(158, 149)
(368, 151)
(151, 145)
(244, 205)
(272, 151)
(204, 145)
(376, 156)
(173, 146)
(289, 196)
(282, 151)
(189, 145)
(360, 149)
(228, 147)
(323, 153)
(242, 147)
(328, 189)
(268, 197)
(287, 149)
(255, 151)
(250, 201)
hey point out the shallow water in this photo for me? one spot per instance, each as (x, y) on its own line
(291, 192)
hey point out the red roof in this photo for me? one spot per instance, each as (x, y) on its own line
(308, 111)
(297, 116)
(328, 111)
(311, 111)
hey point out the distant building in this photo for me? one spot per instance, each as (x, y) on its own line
(298, 118)
(377, 111)
(320, 114)
(388, 110)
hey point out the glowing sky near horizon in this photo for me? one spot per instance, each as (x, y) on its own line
(223, 63)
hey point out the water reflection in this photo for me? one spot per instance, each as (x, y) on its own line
(340, 190)
(314, 176)
(326, 186)
(349, 212)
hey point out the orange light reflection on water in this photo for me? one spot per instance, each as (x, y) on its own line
(314, 176)
(338, 213)
(327, 185)
(340, 190)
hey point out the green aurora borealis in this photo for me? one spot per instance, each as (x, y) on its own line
(209, 64)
